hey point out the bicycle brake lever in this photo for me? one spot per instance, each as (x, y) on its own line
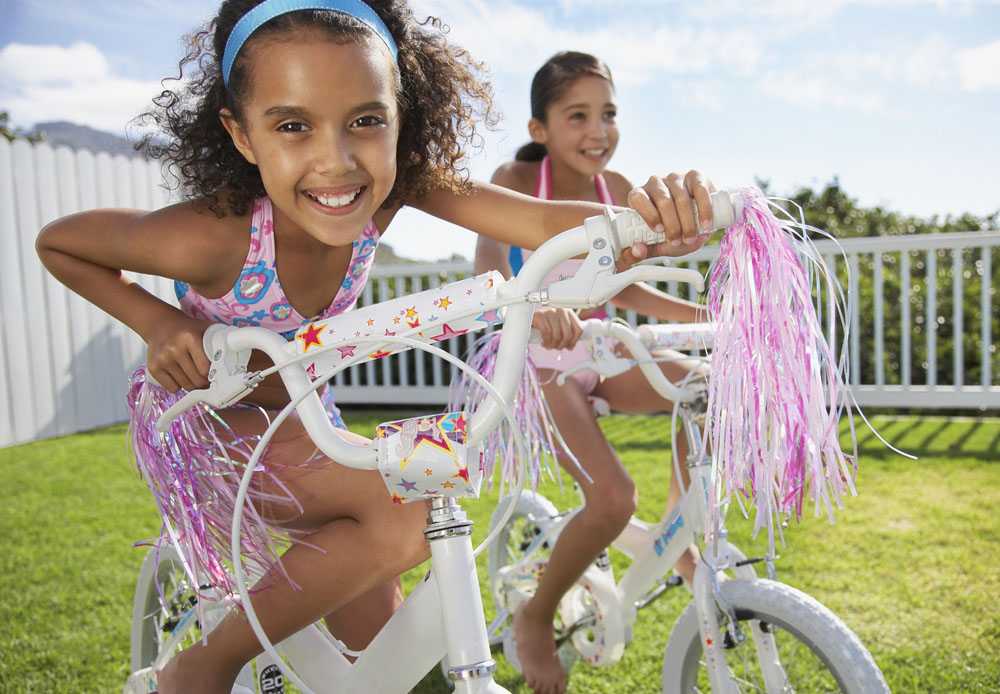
(227, 374)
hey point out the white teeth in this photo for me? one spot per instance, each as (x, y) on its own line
(336, 200)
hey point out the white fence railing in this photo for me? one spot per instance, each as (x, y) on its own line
(63, 363)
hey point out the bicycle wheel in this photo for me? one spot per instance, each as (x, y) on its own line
(813, 649)
(165, 610)
(532, 514)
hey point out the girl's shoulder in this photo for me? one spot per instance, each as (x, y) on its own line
(519, 176)
(619, 186)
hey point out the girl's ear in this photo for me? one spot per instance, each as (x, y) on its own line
(538, 131)
(238, 134)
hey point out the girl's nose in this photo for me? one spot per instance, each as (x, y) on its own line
(332, 154)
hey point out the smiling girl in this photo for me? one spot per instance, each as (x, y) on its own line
(300, 130)
(574, 132)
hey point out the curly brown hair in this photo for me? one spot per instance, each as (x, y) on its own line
(442, 95)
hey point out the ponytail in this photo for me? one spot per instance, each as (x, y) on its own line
(533, 151)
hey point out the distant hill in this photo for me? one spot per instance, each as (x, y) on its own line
(82, 137)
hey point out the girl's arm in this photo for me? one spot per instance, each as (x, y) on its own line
(90, 253)
(524, 221)
(651, 302)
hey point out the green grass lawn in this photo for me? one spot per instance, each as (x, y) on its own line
(911, 564)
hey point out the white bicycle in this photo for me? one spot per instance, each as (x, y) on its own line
(173, 609)
(745, 634)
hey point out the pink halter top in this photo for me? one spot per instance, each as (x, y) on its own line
(543, 190)
(257, 297)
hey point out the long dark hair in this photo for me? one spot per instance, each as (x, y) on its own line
(549, 84)
(442, 95)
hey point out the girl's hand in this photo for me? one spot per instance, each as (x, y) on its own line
(665, 205)
(174, 353)
(560, 328)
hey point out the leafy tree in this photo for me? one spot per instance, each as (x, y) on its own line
(12, 132)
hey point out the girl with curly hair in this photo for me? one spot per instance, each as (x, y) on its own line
(298, 134)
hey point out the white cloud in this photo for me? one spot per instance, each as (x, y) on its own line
(75, 83)
(979, 68)
(24, 64)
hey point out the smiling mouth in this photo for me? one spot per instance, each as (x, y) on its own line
(335, 201)
(595, 153)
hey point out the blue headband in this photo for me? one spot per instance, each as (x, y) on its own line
(269, 9)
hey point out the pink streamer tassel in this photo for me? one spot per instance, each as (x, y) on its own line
(194, 471)
(777, 391)
(531, 413)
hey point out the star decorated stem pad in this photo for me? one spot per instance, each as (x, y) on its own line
(423, 457)
(431, 316)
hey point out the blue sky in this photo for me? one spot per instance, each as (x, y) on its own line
(900, 100)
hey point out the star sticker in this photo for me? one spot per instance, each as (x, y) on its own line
(468, 292)
(489, 283)
(445, 303)
(347, 351)
(397, 499)
(449, 485)
(460, 422)
(310, 337)
(396, 320)
(414, 324)
(311, 370)
(379, 354)
(411, 312)
(428, 472)
(389, 333)
(447, 332)
(463, 472)
(407, 486)
(371, 321)
(490, 317)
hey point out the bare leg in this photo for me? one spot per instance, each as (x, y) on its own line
(610, 502)
(361, 542)
(630, 392)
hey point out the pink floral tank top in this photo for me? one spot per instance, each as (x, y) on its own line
(257, 298)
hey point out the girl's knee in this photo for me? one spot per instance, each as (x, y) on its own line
(616, 505)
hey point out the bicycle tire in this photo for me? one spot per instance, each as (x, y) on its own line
(165, 609)
(532, 512)
(801, 621)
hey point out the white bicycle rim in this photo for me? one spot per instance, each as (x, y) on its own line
(816, 650)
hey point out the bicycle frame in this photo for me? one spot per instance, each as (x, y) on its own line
(427, 626)
(654, 549)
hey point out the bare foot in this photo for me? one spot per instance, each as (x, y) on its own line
(536, 649)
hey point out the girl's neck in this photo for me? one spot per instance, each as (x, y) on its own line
(569, 184)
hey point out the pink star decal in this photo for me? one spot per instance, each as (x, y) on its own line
(447, 332)
(347, 351)
(387, 332)
(490, 317)
(310, 337)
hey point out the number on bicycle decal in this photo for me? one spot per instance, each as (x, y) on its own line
(271, 680)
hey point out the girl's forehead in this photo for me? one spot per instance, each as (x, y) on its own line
(308, 61)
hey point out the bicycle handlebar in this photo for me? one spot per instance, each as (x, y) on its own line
(639, 341)
(601, 238)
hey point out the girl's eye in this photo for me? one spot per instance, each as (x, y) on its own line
(367, 121)
(610, 115)
(579, 115)
(291, 128)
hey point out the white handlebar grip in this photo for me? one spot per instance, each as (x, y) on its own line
(630, 227)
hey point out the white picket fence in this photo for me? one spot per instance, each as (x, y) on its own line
(64, 363)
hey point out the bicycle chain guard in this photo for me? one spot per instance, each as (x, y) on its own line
(424, 457)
